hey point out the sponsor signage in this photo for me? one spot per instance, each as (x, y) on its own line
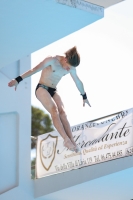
(99, 142)
(84, 5)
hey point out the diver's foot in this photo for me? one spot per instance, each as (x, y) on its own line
(68, 144)
(77, 149)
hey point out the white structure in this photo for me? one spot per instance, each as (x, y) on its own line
(15, 129)
(31, 25)
(26, 27)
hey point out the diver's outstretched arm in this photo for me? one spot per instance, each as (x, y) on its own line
(45, 63)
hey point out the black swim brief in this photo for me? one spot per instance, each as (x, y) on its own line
(51, 91)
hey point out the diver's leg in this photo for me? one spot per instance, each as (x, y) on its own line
(63, 117)
(50, 105)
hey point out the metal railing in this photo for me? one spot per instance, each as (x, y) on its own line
(94, 120)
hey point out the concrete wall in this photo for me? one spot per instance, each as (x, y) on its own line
(15, 131)
(30, 25)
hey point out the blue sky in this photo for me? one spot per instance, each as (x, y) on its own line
(106, 49)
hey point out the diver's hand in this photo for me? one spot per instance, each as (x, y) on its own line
(85, 101)
(12, 83)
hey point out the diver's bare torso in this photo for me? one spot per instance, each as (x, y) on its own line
(51, 75)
